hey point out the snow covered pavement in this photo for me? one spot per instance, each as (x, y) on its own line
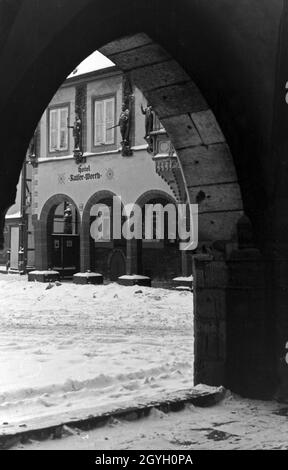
(72, 347)
(234, 423)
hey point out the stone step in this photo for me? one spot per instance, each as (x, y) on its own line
(87, 278)
(134, 279)
(44, 276)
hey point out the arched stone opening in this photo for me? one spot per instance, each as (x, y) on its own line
(160, 259)
(211, 181)
(96, 252)
(193, 162)
(57, 236)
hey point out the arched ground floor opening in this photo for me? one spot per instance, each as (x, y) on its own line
(70, 241)
(57, 236)
(100, 252)
(159, 259)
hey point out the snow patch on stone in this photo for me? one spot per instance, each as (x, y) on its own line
(88, 275)
(183, 279)
(45, 273)
(133, 276)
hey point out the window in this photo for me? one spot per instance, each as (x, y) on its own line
(58, 131)
(65, 219)
(104, 119)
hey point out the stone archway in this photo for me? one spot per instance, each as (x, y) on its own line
(85, 246)
(206, 161)
(153, 194)
(42, 228)
(221, 289)
(153, 256)
(211, 181)
(237, 70)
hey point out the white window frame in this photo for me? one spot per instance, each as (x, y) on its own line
(105, 124)
(58, 111)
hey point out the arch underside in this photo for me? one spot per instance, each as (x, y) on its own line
(204, 155)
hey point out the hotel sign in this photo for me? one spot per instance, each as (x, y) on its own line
(85, 174)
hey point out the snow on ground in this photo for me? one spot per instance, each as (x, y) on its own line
(73, 347)
(235, 423)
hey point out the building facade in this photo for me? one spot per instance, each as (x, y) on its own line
(99, 140)
(18, 255)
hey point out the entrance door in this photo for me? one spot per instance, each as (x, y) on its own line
(65, 254)
(117, 265)
(14, 247)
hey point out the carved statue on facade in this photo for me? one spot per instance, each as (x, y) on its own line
(77, 131)
(67, 221)
(32, 150)
(149, 119)
(124, 123)
(125, 126)
(149, 123)
(77, 134)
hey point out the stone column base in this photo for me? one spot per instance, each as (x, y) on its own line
(183, 283)
(134, 279)
(44, 276)
(88, 278)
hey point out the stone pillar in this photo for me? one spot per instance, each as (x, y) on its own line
(184, 264)
(84, 249)
(41, 241)
(250, 327)
(209, 287)
(233, 329)
(279, 311)
(134, 257)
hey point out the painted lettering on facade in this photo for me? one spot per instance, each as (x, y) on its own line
(85, 174)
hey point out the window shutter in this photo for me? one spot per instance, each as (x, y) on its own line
(99, 122)
(63, 140)
(53, 130)
(109, 108)
(58, 132)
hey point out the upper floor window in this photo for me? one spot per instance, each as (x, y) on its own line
(58, 131)
(104, 119)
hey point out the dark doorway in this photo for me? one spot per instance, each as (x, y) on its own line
(161, 258)
(65, 254)
(64, 240)
(108, 255)
(117, 265)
